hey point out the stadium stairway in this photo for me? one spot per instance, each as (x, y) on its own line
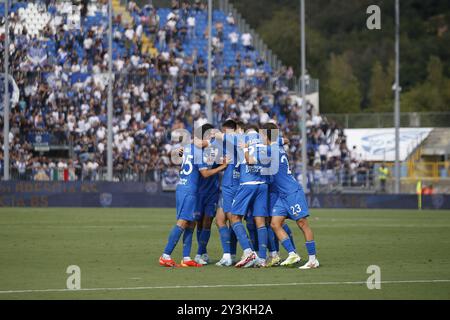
(427, 160)
(147, 44)
(437, 143)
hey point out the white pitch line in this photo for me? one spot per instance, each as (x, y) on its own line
(225, 286)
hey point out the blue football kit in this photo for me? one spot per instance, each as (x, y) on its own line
(253, 190)
(187, 187)
(291, 200)
(230, 178)
(208, 188)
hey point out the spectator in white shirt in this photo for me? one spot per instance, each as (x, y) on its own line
(173, 70)
(230, 19)
(191, 27)
(247, 39)
(234, 39)
(195, 109)
(323, 151)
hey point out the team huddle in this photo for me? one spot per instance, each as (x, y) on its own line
(256, 186)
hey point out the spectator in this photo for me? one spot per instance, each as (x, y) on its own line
(230, 19)
(383, 174)
(247, 39)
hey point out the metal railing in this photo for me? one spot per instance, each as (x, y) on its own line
(342, 180)
(192, 83)
(79, 174)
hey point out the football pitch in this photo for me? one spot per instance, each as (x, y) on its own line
(117, 251)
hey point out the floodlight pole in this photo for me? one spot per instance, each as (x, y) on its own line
(397, 97)
(109, 159)
(209, 80)
(303, 93)
(6, 100)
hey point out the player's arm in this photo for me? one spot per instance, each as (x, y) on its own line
(285, 141)
(249, 156)
(219, 136)
(260, 153)
(250, 159)
(199, 143)
(176, 155)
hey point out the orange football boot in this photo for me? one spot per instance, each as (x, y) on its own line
(167, 262)
(190, 263)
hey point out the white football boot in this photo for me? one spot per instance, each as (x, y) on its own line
(312, 264)
(198, 258)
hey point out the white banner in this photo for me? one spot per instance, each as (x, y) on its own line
(379, 144)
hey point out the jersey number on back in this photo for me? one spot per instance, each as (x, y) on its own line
(296, 209)
(187, 161)
(284, 159)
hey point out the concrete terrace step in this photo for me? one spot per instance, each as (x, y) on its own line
(147, 44)
(437, 143)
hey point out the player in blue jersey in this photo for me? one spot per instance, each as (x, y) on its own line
(273, 244)
(251, 196)
(226, 142)
(208, 197)
(186, 201)
(291, 202)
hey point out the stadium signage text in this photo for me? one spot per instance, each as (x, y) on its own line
(151, 195)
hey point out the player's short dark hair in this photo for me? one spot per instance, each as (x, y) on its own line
(267, 129)
(274, 124)
(230, 124)
(251, 127)
(240, 124)
(200, 131)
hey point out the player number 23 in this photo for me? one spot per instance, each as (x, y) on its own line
(296, 209)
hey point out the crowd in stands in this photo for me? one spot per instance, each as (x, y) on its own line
(59, 60)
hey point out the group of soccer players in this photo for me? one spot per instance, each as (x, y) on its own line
(256, 186)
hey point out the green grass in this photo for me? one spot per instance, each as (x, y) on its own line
(119, 248)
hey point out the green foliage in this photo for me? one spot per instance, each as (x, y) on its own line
(431, 95)
(380, 91)
(341, 87)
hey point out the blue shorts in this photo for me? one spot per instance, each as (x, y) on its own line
(252, 198)
(228, 194)
(206, 205)
(293, 206)
(185, 203)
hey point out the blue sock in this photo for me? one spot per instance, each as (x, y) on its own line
(174, 236)
(287, 244)
(225, 238)
(289, 232)
(262, 242)
(233, 242)
(203, 242)
(199, 232)
(273, 241)
(311, 247)
(253, 235)
(241, 235)
(187, 242)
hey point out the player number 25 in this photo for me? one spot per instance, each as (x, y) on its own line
(187, 161)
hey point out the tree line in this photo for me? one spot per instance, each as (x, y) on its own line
(355, 65)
